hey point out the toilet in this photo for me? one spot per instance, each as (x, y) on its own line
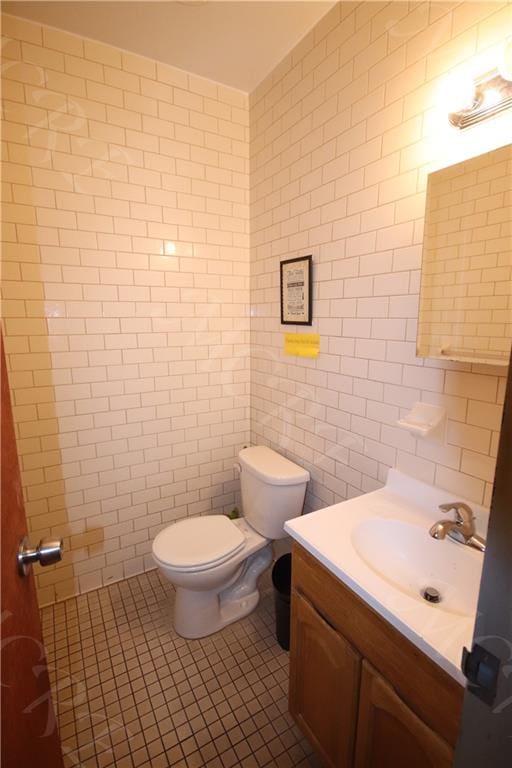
(214, 562)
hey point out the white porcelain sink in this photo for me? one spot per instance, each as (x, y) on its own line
(379, 545)
(408, 558)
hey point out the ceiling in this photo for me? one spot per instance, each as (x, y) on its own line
(235, 43)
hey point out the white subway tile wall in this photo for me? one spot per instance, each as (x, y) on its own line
(127, 264)
(126, 295)
(343, 135)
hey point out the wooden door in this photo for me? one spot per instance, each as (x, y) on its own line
(324, 681)
(486, 724)
(29, 729)
(390, 735)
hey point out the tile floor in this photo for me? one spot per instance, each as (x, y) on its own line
(130, 693)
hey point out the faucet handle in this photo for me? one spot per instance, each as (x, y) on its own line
(463, 512)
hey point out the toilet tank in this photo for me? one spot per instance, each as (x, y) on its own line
(273, 490)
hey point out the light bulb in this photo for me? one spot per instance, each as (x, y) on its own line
(458, 92)
(491, 97)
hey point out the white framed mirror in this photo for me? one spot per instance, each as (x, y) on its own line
(465, 309)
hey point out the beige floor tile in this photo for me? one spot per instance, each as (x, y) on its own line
(130, 693)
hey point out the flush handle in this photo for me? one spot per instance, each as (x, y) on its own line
(47, 552)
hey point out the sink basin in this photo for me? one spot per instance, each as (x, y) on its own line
(404, 555)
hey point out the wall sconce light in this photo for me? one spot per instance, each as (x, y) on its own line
(492, 95)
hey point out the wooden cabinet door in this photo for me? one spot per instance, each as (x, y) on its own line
(390, 735)
(324, 682)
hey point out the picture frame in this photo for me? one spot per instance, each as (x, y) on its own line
(296, 278)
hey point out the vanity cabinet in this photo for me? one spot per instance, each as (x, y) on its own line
(324, 684)
(362, 693)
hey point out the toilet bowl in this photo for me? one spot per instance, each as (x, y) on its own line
(214, 562)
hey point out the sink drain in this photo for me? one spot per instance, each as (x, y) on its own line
(431, 595)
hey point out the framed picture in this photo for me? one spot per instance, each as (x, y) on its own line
(296, 295)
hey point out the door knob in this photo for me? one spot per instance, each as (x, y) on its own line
(47, 552)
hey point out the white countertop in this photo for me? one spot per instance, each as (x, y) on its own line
(334, 536)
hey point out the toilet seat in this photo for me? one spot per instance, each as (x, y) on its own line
(198, 543)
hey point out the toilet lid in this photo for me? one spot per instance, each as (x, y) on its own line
(198, 541)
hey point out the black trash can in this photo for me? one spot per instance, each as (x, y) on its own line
(282, 581)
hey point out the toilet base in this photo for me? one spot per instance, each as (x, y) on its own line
(201, 613)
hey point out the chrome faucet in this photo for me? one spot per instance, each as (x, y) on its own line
(462, 529)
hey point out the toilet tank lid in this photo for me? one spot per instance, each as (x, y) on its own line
(271, 467)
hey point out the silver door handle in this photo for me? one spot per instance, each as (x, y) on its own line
(47, 552)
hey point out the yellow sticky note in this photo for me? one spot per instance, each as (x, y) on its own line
(302, 344)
